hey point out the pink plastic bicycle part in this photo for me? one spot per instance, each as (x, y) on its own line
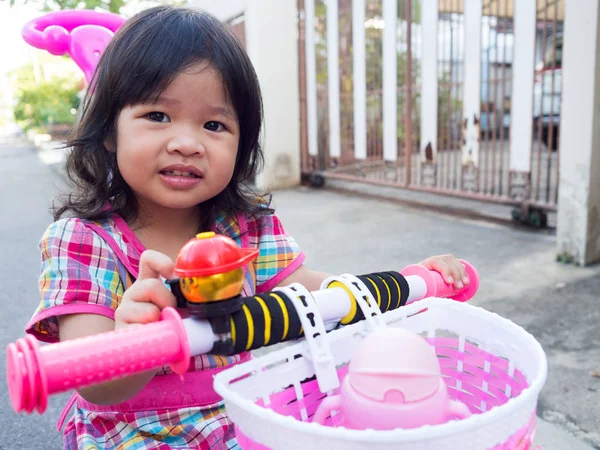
(438, 287)
(479, 390)
(35, 372)
(394, 381)
(83, 34)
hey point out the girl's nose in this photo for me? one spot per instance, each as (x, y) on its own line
(187, 144)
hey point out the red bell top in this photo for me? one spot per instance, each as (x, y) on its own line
(210, 254)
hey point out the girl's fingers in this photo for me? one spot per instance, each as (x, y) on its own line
(154, 264)
(463, 273)
(144, 300)
(150, 290)
(137, 312)
(459, 274)
(441, 265)
(450, 268)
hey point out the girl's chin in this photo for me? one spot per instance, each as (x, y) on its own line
(170, 204)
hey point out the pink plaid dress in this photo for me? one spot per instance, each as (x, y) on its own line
(84, 269)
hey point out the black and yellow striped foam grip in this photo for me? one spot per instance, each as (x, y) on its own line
(389, 289)
(271, 318)
(263, 320)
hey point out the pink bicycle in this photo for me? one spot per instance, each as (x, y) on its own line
(490, 369)
(82, 34)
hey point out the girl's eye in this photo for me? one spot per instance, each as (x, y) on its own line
(214, 126)
(156, 116)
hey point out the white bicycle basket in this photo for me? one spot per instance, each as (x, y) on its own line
(489, 363)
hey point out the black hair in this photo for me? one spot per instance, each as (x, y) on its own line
(146, 54)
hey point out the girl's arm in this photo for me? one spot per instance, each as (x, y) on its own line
(141, 303)
(451, 269)
(73, 326)
(310, 279)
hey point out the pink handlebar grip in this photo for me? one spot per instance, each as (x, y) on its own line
(35, 372)
(437, 286)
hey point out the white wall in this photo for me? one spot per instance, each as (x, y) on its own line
(272, 43)
(223, 9)
(578, 227)
(522, 99)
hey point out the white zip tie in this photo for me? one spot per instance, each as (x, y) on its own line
(315, 335)
(364, 299)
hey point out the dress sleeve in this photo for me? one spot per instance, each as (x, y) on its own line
(279, 254)
(79, 274)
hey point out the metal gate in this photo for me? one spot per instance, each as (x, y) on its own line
(547, 101)
(419, 94)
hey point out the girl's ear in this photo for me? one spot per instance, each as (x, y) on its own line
(110, 145)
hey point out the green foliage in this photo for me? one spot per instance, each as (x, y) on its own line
(46, 103)
(415, 10)
(565, 258)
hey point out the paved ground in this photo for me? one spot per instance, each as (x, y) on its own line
(558, 304)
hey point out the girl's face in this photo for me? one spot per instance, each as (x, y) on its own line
(181, 150)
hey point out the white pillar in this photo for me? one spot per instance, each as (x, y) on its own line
(521, 122)
(472, 82)
(578, 228)
(333, 78)
(360, 79)
(390, 79)
(311, 77)
(429, 76)
(272, 44)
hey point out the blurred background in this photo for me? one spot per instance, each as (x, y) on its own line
(416, 127)
(459, 99)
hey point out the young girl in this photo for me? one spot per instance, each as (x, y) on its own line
(168, 135)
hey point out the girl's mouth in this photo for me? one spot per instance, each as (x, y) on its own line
(178, 173)
(180, 180)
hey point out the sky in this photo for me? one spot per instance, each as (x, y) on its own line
(14, 52)
(13, 49)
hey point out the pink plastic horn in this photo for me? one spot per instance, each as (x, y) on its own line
(83, 34)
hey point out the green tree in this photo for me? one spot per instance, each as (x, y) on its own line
(47, 103)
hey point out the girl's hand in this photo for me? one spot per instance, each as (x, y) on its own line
(450, 268)
(148, 295)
